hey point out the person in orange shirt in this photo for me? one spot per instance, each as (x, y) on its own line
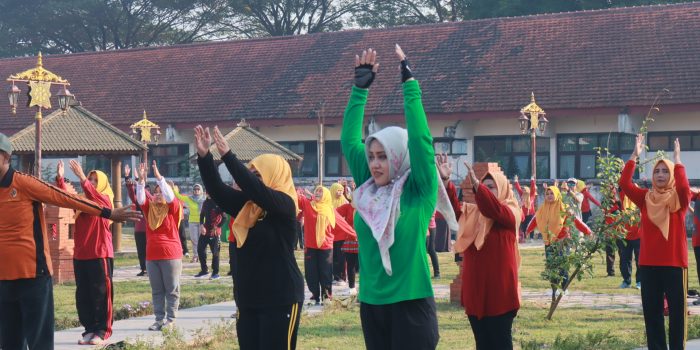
(663, 253)
(26, 288)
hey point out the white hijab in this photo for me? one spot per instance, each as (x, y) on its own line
(379, 206)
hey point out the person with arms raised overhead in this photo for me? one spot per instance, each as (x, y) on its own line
(164, 250)
(269, 287)
(394, 204)
(663, 252)
(93, 256)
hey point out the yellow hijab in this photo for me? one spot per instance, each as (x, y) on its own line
(325, 214)
(661, 202)
(157, 211)
(525, 198)
(549, 216)
(474, 226)
(337, 201)
(277, 175)
(102, 187)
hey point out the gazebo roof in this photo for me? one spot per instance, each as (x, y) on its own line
(247, 144)
(77, 131)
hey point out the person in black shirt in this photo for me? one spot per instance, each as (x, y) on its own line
(269, 285)
(211, 217)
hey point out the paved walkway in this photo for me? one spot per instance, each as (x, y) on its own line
(191, 321)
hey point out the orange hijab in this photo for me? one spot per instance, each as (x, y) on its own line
(550, 217)
(474, 226)
(277, 175)
(661, 202)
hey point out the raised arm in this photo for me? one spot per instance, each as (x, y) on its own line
(581, 226)
(454, 199)
(516, 184)
(634, 193)
(271, 200)
(420, 142)
(490, 207)
(587, 194)
(353, 117)
(682, 184)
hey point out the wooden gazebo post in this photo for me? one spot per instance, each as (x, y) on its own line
(117, 186)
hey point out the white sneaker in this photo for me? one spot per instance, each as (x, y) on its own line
(156, 326)
(85, 340)
(96, 340)
(353, 291)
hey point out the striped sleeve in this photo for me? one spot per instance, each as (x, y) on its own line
(43, 192)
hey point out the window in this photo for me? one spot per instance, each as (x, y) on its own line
(512, 153)
(172, 159)
(663, 141)
(104, 164)
(335, 161)
(14, 162)
(577, 152)
(308, 150)
(450, 146)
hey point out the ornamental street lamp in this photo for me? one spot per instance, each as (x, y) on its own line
(532, 118)
(39, 81)
(147, 132)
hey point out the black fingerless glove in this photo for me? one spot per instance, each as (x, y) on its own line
(405, 70)
(364, 76)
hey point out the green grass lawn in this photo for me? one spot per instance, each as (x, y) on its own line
(339, 328)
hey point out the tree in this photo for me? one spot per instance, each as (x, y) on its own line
(384, 14)
(286, 17)
(575, 254)
(67, 26)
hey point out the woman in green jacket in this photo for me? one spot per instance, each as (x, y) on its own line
(395, 202)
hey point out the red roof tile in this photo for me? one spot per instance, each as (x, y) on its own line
(589, 59)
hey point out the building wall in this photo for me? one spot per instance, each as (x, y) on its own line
(469, 129)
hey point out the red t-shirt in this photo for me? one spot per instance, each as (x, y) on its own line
(92, 237)
(632, 230)
(564, 233)
(655, 250)
(342, 228)
(696, 234)
(164, 242)
(490, 275)
(530, 210)
(587, 199)
(231, 236)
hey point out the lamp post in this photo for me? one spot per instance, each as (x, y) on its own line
(147, 131)
(532, 118)
(39, 81)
